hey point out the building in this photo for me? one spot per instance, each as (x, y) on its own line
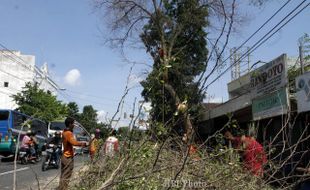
(16, 69)
(254, 96)
(270, 106)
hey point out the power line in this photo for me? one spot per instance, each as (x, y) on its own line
(24, 64)
(27, 66)
(30, 66)
(281, 26)
(13, 75)
(97, 97)
(91, 95)
(7, 93)
(258, 29)
(251, 36)
(60, 92)
(262, 40)
(63, 95)
(88, 100)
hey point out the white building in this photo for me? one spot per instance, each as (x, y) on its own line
(16, 70)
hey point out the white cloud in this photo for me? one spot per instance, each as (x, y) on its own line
(72, 78)
(147, 106)
(101, 116)
(215, 100)
(134, 80)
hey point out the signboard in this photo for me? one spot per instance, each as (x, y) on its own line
(270, 105)
(303, 92)
(269, 77)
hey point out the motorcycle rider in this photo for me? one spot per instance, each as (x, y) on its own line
(35, 144)
(57, 145)
(27, 144)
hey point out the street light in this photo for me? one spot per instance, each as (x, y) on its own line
(259, 61)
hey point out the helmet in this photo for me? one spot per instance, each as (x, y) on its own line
(92, 136)
(97, 133)
(29, 132)
(57, 134)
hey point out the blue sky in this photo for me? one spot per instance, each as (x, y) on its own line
(284, 41)
(65, 35)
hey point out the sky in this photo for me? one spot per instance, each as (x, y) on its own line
(284, 41)
(69, 36)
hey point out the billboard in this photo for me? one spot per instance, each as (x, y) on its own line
(270, 77)
(303, 92)
(270, 105)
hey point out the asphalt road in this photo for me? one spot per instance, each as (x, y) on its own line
(29, 175)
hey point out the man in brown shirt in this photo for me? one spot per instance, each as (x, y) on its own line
(67, 162)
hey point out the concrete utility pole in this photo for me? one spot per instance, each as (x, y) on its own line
(301, 57)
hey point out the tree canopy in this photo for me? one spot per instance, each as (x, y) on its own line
(175, 38)
(88, 118)
(73, 110)
(36, 102)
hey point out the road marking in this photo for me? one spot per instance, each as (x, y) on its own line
(18, 170)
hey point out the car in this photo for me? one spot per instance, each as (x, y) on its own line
(79, 149)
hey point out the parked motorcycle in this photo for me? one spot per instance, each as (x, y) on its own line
(52, 157)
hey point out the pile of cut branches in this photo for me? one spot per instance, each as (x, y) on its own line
(168, 165)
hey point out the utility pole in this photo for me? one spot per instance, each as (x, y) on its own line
(301, 57)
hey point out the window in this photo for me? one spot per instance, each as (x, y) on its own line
(57, 125)
(4, 115)
(18, 121)
(39, 127)
(6, 84)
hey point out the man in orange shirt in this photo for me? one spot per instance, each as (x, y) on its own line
(67, 162)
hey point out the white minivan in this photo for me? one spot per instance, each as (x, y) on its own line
(55, 126)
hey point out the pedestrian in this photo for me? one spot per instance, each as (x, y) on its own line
(94, 143)
(92, 148)
(253, 154)
(111, 145)
(67, 162)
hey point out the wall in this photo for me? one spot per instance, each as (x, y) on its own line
(17, 69)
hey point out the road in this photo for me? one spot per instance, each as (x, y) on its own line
(28, 174)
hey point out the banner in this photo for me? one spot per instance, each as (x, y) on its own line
(270, 105)
(303, 92)
(269, 77)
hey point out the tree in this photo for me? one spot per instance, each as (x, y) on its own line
(73, 110)
(174, 35)
(122, 133)
(304, 42)
(88, 118)
(105, 130)
(176, 39)
(38, 103)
